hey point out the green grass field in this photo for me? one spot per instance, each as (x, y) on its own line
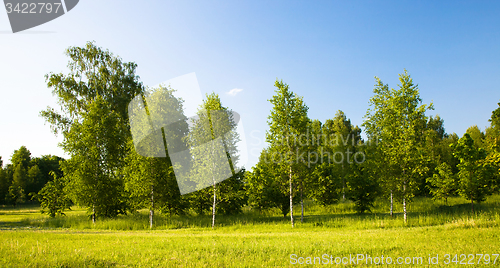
(253, 239)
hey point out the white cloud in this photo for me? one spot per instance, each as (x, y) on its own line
(234, 91)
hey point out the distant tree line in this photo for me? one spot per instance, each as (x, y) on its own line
(25, 176)
(406, 153)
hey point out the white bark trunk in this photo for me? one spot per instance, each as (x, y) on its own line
(291, 198)
(343, 183)
(151, 211)
(404, 200)
(404, 208)
(213, 208)
(215, 197)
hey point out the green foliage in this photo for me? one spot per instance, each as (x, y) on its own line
(34, 179)
(4, 186)
(396, 120)
(492, 142)
(22, 157)
(287, 122)
(410, 154)
(31, 175)
(495, 117)
(46, 164)
(443, 183)
(492, 137)
(213, 140)
(95, 145)
(436, 149)
(53, 198)
(16, 190)
(93, 99)
(327, 187)
(92, 72)
(362, 184)
(19, 180)
(477, 135)
(264, 189)
(447, 156)
(150, 179)
(476, 180)
(16, 194)
(232, 194)
(363, 190)
(338, 148)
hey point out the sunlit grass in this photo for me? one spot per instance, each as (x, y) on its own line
(422, 212)
(251, 239)
(230, 247)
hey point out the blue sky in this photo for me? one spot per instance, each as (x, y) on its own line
(327, 51)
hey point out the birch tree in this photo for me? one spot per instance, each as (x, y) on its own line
(150, 180)
(212, 140)
(95, 139)
(396, 119)
(95, 145)
(287, 121)
(150, 183)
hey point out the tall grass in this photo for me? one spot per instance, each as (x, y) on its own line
(251, 239)
(422, 212)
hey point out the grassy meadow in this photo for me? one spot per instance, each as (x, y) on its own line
(333, 234)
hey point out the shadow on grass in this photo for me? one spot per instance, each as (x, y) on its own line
(18, 208)
(422, 212)
(87, 263)
(463, 208)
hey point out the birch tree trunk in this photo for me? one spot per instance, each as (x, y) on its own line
(291, 198)
(404, 200)
(343, 182)
(151, 210)
(215, 197)
(288, 119)
(213, 208)
(404, 208)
